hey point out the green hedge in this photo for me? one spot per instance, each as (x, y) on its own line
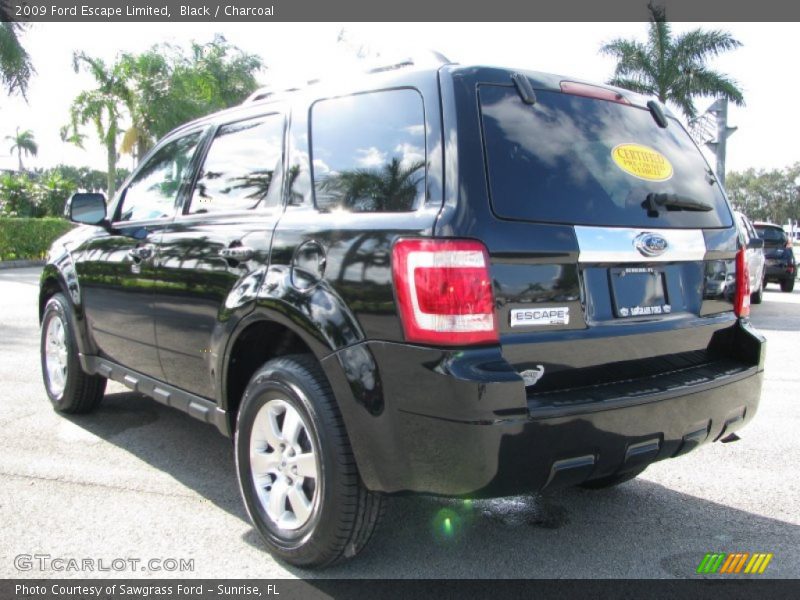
(29, 239)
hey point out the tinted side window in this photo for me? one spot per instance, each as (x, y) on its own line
(368, 152)
(152, 192)
(239, 169)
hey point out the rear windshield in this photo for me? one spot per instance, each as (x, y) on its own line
(771, 234)
(576, 160)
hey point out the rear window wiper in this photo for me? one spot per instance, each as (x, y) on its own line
(673, 202)
(524, 88)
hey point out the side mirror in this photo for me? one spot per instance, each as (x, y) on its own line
(89, 209)
(756, 244)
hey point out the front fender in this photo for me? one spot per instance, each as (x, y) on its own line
(59, 275)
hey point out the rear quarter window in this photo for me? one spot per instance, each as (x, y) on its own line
(575, 160)
(368, 152)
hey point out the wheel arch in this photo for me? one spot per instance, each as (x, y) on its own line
(50, 285)
(261, 336)
(54, 280)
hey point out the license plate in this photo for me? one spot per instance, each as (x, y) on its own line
(639, 292)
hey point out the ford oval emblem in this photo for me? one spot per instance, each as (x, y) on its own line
(650, 244)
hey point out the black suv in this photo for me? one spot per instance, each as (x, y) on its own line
(780, 264)
(455, 280)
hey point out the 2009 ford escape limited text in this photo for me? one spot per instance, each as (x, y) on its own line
(451, 280)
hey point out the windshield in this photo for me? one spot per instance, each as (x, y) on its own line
(576, 160)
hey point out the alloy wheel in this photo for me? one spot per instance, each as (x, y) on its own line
(284, 464)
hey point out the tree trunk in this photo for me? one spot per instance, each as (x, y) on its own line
(112, 169)
(141, 148)
(19, 158)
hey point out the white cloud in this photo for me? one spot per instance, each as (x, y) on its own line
(371, 157)
(409, 154)
(321, 167)
(415, 129)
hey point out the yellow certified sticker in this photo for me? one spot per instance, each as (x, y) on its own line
(642, 162)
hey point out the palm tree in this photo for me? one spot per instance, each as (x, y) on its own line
(15, 63)
(167, 86)
(673, 67)
(101, 108)
(23, 141)
(388, 189)
(146, 78)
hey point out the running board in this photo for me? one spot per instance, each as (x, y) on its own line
(195, 406)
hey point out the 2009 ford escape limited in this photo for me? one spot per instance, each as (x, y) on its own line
(455, 280)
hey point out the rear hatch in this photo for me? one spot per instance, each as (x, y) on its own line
(776, 242)
(613, 257)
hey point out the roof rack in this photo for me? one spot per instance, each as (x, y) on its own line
(268, 91)
(431, 57)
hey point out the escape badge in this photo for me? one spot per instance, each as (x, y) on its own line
(540, 316)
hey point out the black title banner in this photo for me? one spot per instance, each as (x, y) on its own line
(391, 10)
(323, 589)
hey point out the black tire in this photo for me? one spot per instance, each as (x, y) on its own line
(787, 285)
(758, 296)
(612, 480)
(344, 513)
(80, 393)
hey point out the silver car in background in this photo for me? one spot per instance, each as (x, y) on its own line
(754, 256)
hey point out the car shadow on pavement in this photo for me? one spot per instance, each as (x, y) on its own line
(639, 529)
(194, 453)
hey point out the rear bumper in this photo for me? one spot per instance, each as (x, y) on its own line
(779, 271)
(459, 423)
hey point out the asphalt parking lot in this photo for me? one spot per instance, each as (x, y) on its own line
(139, 480)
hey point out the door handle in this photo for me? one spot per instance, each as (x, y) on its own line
(141, 252)
(237, 253)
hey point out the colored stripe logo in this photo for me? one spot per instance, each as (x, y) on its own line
(734, 563)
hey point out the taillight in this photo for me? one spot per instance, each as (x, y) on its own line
(444, 292)
(741, 303)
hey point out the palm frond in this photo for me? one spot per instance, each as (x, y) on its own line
(16, 67)
(633, 64)
(684, 102)
(130, 140)
(673, 67)
(699, 45)
(706, 82)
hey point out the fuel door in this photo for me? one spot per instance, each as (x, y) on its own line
(308, 265)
